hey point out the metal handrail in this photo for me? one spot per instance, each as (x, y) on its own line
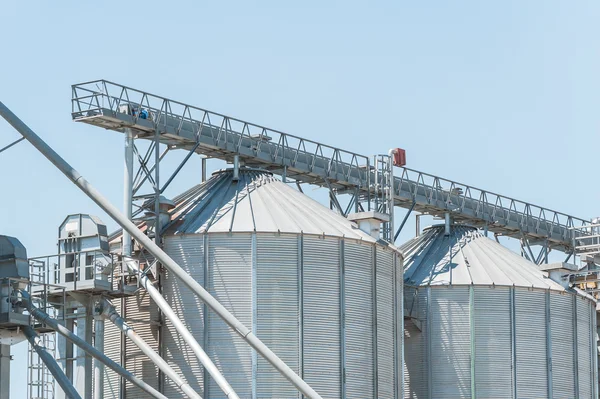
(316, 162)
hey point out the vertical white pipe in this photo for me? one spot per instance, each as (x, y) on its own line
(447, 224)
(203, 170)
(98, 366)
(128, 188)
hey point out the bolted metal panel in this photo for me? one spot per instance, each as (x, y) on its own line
(450, 342)
(384, 269)
(358, 262)
(585, 350)
(493, 342)
(229, 279)
(321, 299)
(277, 310)
(142, 314)
(112, 348)
(415, 343)
(532, 373)
(561, 322)
(187, 251)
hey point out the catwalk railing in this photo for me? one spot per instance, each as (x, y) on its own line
(178, 125)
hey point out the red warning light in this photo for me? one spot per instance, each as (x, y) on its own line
(399, 157)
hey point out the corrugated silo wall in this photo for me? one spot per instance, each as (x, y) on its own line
(303, 296)
(141, 314)
(498, 342)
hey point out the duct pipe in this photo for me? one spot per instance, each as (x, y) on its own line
(447, 223)
(65, 332)
(159, 254)
(128, 188)
(48, 359)
(98, 366)
(110, 312)
(187, 336)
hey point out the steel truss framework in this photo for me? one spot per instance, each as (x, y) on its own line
(177, 125)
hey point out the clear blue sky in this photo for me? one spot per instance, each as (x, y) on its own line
(500, 95)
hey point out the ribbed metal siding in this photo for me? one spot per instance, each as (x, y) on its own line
(188, 252)
(142, 314)
(585, 351)
(230, 276)
(493, 343)
(450, 343)
(277, 311)
(532, 374)
(112, 349)
(561, 321)
(358, 262)
(384, 266)
(399, 326)
(321, 298)
(415, 344)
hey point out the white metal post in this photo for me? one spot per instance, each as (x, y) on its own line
(128, 188)
(83, 361)
(98, 366)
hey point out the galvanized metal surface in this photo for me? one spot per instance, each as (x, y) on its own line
(477, 361)
(563, 365)
(229, 279)
(359, 264)
(386, 378)
(187, 252)
(321, 298)
(587, 372)
(416, 366)
(278, 310)
(467, 257)
(255, 202)
(142, 314)
(532, 372)
(450, 343)
(295, 276)
(492, 330)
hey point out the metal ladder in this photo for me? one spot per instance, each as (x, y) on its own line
(40, 381)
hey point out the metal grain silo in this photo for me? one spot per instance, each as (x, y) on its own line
(483, 322)
(316, 289)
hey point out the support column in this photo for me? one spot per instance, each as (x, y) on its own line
(127, 188)
(4, 371)
(83, 361)
(65, 351)
(98, 366)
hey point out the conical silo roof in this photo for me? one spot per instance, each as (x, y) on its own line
(256, 201)
(467, 257)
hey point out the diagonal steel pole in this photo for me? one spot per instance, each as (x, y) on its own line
(158, 253)
(80, 342)
(48, 359)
